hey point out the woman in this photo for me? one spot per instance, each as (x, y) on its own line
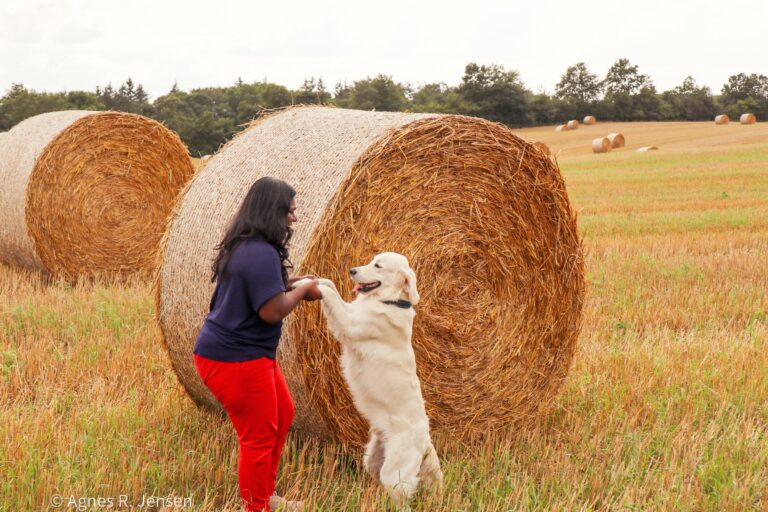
(235, 350)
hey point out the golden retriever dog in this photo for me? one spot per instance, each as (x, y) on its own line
(379, 366)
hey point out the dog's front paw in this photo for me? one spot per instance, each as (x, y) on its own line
(301, 282)
(327, 282)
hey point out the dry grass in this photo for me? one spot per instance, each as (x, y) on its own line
(673, 136)
(665, 407)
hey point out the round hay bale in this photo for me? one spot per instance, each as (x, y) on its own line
(486, 225)
(722, 119)
(748, 119)
(87, 193)
(562, 128)
(573, 124)
(590, 120)
(601, 145)
(645, 149)
(617, 140)
(542, 147)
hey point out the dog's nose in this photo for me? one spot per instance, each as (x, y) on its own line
(353, 271)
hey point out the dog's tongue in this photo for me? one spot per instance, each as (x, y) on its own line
(356, 287)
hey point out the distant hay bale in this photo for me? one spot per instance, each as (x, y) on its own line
(617, 140)
(647, 148)
(573, 124)
(748, 119)
(85, 193)
(601, 145)
(493, 338)
(562, 128)
(590, 120)
(722, 119)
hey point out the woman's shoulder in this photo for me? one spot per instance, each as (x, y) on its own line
(253, 250)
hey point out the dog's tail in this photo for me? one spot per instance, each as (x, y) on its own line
(430, 473)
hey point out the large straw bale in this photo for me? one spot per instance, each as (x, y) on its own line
(590, 120)
(573, 124)
(645, 149)
(483, 217)
(562, 128)
(601, 145)
(84, 193)
(748, 119)
(617, 140)
(722, 119)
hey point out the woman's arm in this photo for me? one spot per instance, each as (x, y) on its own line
(278, 307)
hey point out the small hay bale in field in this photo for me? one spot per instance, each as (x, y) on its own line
(84, 193)
(573, 124)
(722, 119)
(590, 120)
(647, 148)
(485, 222)
(601, 145)
(748, 119)
(617, 140)
(562, 128)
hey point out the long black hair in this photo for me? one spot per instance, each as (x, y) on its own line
(263, 215)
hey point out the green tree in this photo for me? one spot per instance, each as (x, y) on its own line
(745, 93)
(19, 103)
(494, 93)
(630, 95)
(380, 93)
(202, 117)
(624, 78)
(689, 101)
(310, 92)
(579, 88)
(127, 98)
(438, 97)
(247, 100)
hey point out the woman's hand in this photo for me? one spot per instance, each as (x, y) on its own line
(312, 290)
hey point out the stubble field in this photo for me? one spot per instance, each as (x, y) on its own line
(665, 406)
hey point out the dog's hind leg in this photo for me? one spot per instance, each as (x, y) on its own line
(399, 474)
(430, 473)
(374, 455)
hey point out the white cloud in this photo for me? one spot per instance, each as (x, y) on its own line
(78, 44)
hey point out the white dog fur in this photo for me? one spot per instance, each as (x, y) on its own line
(379, 365)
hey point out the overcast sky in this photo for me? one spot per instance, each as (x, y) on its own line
(56, 45)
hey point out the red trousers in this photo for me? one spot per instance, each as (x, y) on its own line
(257, 400)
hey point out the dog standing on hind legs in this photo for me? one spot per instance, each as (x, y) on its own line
(379, 366)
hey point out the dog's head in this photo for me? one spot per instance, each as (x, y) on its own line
(387, 276)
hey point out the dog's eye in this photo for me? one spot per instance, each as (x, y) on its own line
(377, 265)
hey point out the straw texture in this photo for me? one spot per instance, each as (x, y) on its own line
(617, 140)
(590, 120)
(483, 217)
(645, 149)
(573, 124)
(87, 193)
(562, 128)
(722, 119)
(601, 145)
(748, 119)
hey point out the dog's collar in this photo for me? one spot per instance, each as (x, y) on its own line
(401, 303)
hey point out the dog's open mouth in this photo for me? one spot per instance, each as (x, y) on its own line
(366, 287)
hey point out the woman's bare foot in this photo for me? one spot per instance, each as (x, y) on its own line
(279, 503)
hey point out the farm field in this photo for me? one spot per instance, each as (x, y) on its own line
(665, 406)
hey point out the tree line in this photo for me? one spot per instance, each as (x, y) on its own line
(207, 117)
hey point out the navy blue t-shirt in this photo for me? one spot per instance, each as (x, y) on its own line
(233, 330)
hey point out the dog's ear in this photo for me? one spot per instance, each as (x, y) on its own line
(409, 285)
